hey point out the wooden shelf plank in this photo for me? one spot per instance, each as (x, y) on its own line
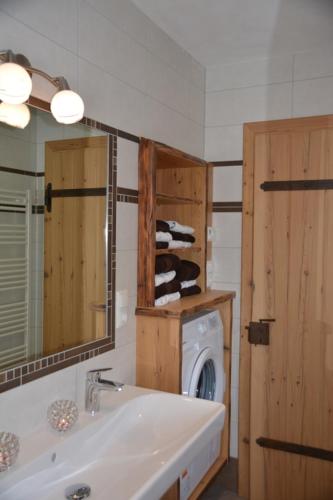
(176, 250)
(164, 198)
(188, 305)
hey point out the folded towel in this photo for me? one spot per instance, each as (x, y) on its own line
(161, 236)
(182, 236)
(160, 245)
(171, 297)
(166, 262)
(187, 284)
(191, 290)
(178, 244)
(175, 226)
(164, 277)
(167, 288)
(187, 271)
(161, 225)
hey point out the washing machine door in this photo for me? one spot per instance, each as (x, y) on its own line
(207, 380)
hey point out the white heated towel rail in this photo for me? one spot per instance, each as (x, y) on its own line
(14, 276)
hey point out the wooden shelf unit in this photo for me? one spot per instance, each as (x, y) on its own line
(172, 186)
(175, 186)
(169, 199)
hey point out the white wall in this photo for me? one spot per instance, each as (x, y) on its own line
(280, 87)
(132, 76)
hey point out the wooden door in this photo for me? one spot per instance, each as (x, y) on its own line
(75, 243)
(286, 395)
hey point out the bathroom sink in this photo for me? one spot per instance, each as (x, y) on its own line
(134, 448)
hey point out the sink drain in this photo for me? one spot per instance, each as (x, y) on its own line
(77, 492)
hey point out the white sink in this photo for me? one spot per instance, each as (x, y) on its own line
(135, 448)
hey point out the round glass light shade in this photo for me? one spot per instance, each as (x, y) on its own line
(15, 83)
(67, 107)
(16, 115)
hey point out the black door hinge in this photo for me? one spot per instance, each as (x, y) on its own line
(48, 197)
(259, 331)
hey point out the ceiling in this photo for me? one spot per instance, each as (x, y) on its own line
(219, 31)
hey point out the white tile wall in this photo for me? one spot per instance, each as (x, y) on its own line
(136, 65)
(127, 165)
(227, 184)
(249, 73)
(237, 106)
(127, 228)
(24, 409)
(280, 87)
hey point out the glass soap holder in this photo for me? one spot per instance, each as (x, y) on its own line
(9, 450)
(62, 414)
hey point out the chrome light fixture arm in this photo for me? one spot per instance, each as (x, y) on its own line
(59, 82)
(15, 87)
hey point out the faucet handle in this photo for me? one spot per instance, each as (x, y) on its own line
(95, 375)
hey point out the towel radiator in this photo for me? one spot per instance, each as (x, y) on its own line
(14, 275)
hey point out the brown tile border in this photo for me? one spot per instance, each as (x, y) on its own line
(12, 170)
(129, 137)
(40, 104)
(38, 209)
(127, 195)
(227, 206)
(227, 163)
(32, 370)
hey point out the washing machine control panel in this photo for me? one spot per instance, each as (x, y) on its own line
(203, 327)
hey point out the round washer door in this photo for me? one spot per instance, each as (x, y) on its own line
(207, 380)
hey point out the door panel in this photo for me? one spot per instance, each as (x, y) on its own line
(291, 384)
(75, 244)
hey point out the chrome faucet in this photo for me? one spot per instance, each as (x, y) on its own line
(94, 385)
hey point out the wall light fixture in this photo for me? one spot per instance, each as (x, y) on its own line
(16, 86)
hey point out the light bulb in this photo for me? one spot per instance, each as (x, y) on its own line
(15, 83)
(16, 115)
(67, 107)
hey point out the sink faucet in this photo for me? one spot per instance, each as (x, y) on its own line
(95, 384)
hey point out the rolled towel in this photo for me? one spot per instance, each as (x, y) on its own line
(166, 262)
(182, 237)
(174, 296)
(161, 225)
(171, 297)
(167, 288)
(175, 226)
(164, 277)
(191, 290)
(187, 284)
(162, 236)
(162, 301)
(162, 245)
(179, 244)
(187, 271)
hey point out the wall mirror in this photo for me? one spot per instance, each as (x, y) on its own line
(53, 238)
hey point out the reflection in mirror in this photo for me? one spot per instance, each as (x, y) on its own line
(53, 245)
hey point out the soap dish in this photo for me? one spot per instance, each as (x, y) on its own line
(62, 414)
(9, 449)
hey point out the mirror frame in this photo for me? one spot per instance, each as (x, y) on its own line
(12, 377)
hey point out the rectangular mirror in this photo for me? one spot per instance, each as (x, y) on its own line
(53, 238)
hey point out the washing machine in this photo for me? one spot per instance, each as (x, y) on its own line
(202, 377)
